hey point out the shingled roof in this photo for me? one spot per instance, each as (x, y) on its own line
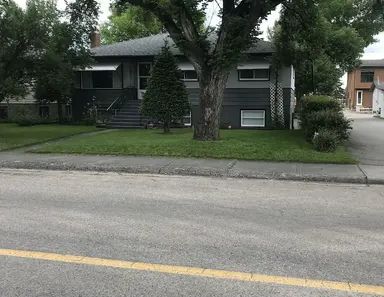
(151, 46)
(372, 63)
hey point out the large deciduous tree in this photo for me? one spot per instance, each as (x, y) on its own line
(15, 50)
(212, 58)
(40, 46)
(331, 43)
(129, 22)
(64, 47)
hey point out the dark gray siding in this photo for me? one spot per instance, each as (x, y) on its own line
(236, 100)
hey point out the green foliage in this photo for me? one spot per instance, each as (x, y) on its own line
(39, 47)
(318, 103)
(15, 43)
(325, 141)
(63, 46)
(323, 112)
(133, 22)
(166, 97)
(325, 38)
(327, 119)
(26, 117)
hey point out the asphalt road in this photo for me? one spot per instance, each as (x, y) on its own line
(367, 138)
(304, 230)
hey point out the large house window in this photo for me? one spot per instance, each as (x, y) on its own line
(102, 79)
(253, 118)
(189, 75)
(254, 74)
(359, 100)
(144, 75)
(367, 76)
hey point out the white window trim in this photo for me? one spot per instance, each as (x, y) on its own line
(254, 79)
(190, 120)
(248, 110)
(357, 98)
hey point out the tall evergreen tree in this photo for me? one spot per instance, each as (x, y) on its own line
(166, 96)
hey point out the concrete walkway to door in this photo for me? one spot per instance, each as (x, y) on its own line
(367, 138)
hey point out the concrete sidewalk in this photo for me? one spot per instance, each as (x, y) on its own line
(362, 174)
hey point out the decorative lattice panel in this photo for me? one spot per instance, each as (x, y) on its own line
(277, 104)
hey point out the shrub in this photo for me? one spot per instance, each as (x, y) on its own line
(327, 119)
(325, 140)
(318, 103)
(26, 117)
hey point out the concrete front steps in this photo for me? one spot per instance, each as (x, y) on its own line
(127, 117)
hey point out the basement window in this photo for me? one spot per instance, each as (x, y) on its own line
(253, 118)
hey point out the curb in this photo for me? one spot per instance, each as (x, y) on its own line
(207, 172)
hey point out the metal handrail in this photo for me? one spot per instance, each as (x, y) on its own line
(114, 102)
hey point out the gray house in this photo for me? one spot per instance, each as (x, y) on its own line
(116, 85)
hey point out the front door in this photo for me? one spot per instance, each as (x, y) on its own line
(144, 73)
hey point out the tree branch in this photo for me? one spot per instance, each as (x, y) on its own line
(228, 6)
(179, 23)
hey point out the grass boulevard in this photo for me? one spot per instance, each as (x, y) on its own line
(282, 145)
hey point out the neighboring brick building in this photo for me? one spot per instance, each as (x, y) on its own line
(359, 84)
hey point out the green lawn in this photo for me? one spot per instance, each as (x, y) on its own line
(13, 136)
(237, 144)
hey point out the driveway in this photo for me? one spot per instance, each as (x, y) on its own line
(367, 138)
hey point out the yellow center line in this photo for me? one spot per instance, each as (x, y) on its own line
(199, 272)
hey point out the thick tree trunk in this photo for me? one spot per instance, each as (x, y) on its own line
(212, 85)
(166, 127)
(60, 111)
